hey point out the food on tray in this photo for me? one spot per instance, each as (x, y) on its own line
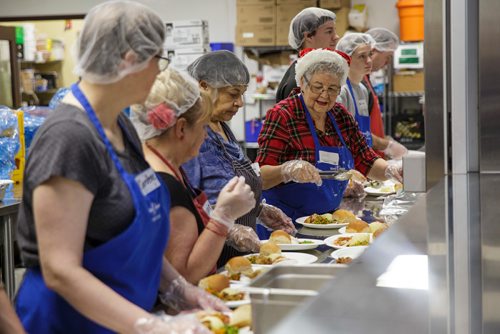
(360, 239)
(344, 260)
(357, 226)
(281, 237)
(305, 242)
(319, 219)
(377, 226)
(242, 316)
(217, 322)
(342, 241)
(385, 187)
(378, 232)
(238, 266)
(342, 216)
(218, 285)
(270, 253)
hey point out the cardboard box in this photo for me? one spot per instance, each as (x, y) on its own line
(255, 2)
(187, 34)
(256, 35)
(307, 3)
(334, 4)
(285, 13)
(181, 58)
(342, 22)
(282, 29)
(408, 81)
(256, 14)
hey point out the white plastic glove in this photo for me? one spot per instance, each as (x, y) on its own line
(300, 171)
(395, 150)
(243, 238)
(394, 172)
(182, 295)
(354, 189)
(235, 200)
(274, 218)
(180, 324)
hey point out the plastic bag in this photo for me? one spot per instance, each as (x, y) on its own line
(398, 205)
(33, 118)
(9, 141)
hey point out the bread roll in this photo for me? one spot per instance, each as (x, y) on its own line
(378, 232)
(280, 237)
(242, 316)
(238, 265)
(269, 248)
(214, 283)
(357, 226)
(343, 216)
(377, 226)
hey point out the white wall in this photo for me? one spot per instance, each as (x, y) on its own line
(381, 13)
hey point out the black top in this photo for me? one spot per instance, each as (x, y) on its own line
(180, 196)
(287, 83)
(68, 145)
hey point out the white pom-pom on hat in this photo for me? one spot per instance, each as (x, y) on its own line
(321, 56)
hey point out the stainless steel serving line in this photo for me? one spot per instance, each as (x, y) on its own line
(8, 215)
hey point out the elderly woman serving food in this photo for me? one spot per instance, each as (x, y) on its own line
(309, 132)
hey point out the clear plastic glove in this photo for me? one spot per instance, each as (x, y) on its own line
(300, 171)
(243, 238)
(182, 295)
(235, 200)
(394, 172)
(395, 150)
(354, 189)
(275, 219)
(180, 324)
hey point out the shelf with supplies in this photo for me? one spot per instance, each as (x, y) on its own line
(40, 80)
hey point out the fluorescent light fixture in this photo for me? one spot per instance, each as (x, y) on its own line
(406, 272)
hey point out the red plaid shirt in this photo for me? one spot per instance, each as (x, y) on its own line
(285, 135)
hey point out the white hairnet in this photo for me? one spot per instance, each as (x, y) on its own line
(118, 38)
(385, 39)
(220, 69)
(321, 61)
(307, 21)
(350, 42)
(173, 93)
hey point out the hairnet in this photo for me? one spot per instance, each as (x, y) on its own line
(118, 38)
(350, 42)
(173, 93)
(220, 69)
(307, 21)
(385, 39)
(324, 61)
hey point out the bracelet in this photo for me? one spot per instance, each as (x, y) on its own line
(217, 228)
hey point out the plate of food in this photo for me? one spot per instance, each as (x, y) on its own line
(288, 243)
(360, 226)
(346, 255)
(270, 254)
(219, 286)
(241, 271)
(338, 218)
(349, 240)
(379, 188)
(235, 322)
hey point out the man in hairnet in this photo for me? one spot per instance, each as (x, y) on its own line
(311, 28)
(386, 42)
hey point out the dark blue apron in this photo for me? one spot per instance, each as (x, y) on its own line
(304, 199)
(363, 121)
(130, 263)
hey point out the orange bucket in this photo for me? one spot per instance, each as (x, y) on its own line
(411, 20)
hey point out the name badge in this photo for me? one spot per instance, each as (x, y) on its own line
(329, 157)
(147, 181)
(256, 168)
(207, 208)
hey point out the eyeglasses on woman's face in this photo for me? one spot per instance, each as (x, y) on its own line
(318, 89)
(163, 62)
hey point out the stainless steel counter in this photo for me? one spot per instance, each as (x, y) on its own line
(436, 271)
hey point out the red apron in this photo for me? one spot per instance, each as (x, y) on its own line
(376, 122)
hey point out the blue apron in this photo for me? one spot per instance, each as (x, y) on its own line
(130, 263)
(363, 121)
(304, 199)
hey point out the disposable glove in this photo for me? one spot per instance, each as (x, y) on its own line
(235, 200)
(275, 219)
(394, 172)
(243, 238)
(300, 171)
(395, 150)
(354, 189)
(180, 324)
(182, 295)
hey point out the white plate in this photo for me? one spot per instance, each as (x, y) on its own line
(236, 303)
(243, 279)
(301, 221)
(342, 230)
(291, 259)
(352, 252)
(386, 188)
(329, 241)
(295, 247)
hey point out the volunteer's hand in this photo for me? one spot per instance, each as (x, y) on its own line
(354, 189)
(243, 238)
(170, 325)
(182, 295)
(235, 200)
(274, 218)
(394, 172)
(395, 150)
(300, 171)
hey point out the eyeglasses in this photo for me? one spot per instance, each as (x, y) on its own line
(163, 63)
(315, 89)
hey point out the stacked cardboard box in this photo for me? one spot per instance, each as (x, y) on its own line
(186, 41)
(256, 22)
(341, 9)
(286, 11)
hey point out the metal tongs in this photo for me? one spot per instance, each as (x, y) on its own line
(335, 174)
